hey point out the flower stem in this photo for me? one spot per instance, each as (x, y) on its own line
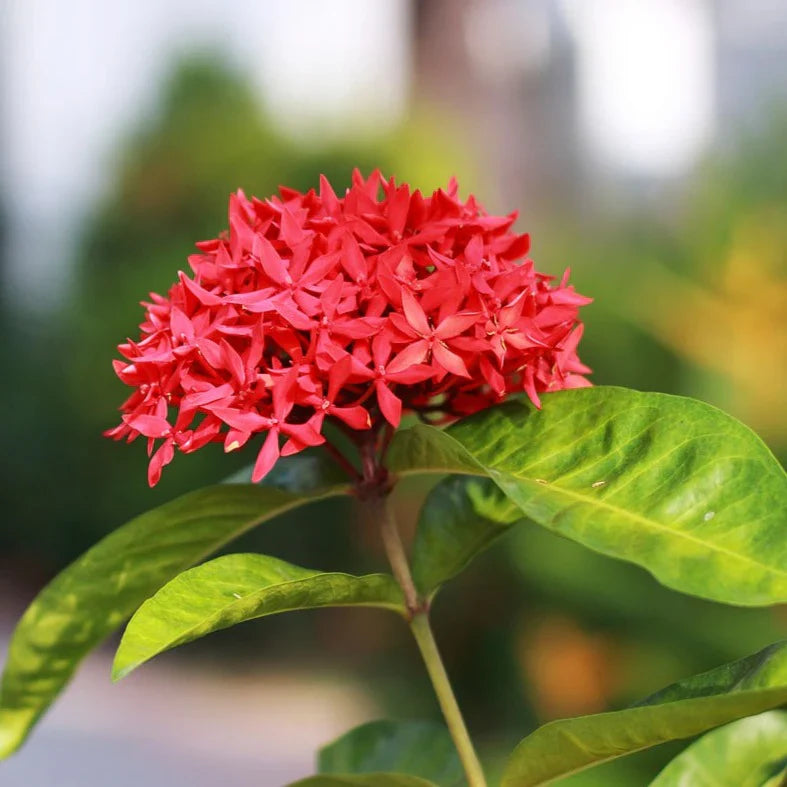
(342, 461)
(397, 557)
(422, 632)
(418, 614)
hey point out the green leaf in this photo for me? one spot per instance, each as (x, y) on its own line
(92, 597)
(459, 519)
(307, 472)
(779, 780)
(235, 588)
(416, 748)
(746, 753)
(669, 483)
(363, 780)
(688, 707)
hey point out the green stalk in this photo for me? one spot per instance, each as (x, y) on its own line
(422, 632)
(419, 624)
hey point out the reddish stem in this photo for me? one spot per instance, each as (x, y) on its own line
(343, 461)
(388, 434)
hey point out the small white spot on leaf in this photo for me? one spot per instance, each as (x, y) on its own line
(709, 515)
(541, 481)
(597, 484)
(237, 595)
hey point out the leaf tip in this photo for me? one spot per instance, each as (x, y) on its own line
(121, 668)
(10, 741)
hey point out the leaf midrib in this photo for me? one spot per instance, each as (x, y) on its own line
(653, 524)
(215, 616)
(740, 695)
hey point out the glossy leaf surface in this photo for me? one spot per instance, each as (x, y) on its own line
(686, 708)
(746, 753)
(415, 748)
(669, 483)
(460, 518)
(92, 597)
(236, 588)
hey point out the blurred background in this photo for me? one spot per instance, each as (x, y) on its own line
(645, 145)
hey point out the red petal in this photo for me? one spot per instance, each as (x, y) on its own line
(352, 259)
(381, 348)
(199, 398)
(244, 421)
(569, 345)
(292, 446)
(235, 439)
(474, 251)
(390, 405)
(338, 375)
(149, 425)
(451, 362)
(496, 380)
(398, 206)
(401, 324)
(290, 312)
(575, 381)
(203, 296)
(328, 197)
(159, 461)
(283, 393)
(267, 456)
(271, 262)
(291, 231)
(553, 315)
(259, 301)
(415, 314)
(233, 362)
(408, 357)
(567, 296)
(180, 325)
(453, 326)
(355, 417)
(411, 375)
(211, 352)
(331, 297)
(361, 328)
(205, 433)
(304, 433)
(530, 387)
(319, 268)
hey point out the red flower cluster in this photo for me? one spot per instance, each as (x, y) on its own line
(353, 309)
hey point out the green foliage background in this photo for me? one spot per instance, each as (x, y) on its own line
(609, 623)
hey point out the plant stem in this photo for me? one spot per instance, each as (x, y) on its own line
(422, 632)
(418, 613)
(342, 460)
(397, 556)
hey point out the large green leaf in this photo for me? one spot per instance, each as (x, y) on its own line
(689, 707)
(235, 588)
(460, 517)
(95, 594)
(746, 753)
(363, 780)
(416, 748)
(669, 483)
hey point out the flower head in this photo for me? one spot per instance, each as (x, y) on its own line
(315, 308)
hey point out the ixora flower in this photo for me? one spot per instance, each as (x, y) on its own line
(315, 308)
(314, 312)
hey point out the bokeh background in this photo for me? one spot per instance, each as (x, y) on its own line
(645, 145)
